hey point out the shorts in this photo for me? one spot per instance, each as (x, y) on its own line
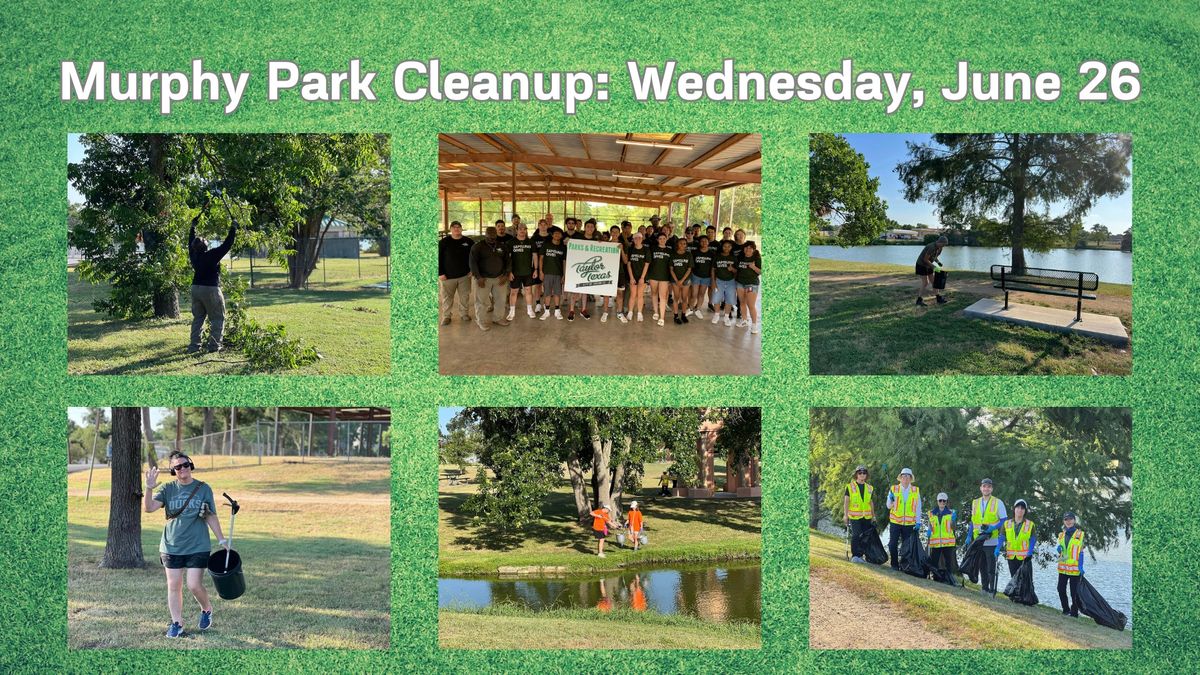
(520, 282)
(622, 279)
(753, 288)
(701, 281)
(552, 284)
(188, 560)
(599, 534)
(924, 270)
(726, 292)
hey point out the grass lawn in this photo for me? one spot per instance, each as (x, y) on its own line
(862, 321)
(316, 546)
(348, 323)
(680, 530)
(507, 627)
(950, 617)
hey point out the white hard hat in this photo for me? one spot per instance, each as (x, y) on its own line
(633, 505)
(943, 495)
(907, 471)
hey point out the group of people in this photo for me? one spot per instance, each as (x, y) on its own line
(602, 520)
(1012, 537)
(685, 275)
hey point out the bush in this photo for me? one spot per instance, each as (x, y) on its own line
(265, 347)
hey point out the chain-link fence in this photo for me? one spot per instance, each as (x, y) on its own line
(318, 440)
(341, 260)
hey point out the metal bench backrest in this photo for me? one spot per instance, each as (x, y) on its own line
(1037, 276)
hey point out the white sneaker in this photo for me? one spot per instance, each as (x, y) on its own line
(558, 314)
(545, 315)
(699, 315)
(512, 311)
(755, 327)
(622, 318)
(660, 322)
(529, 311)
(716, 319)
(604, 318)
(639, 316)
(538, 308)
(729, 321)
(689, 313)
(743, 323)
(655, 316)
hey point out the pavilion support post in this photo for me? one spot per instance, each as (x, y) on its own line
(445, 210)
(329, 442)
(687, 211)
(481, 215)
(717, 210)
(564, 213)
(514, 187)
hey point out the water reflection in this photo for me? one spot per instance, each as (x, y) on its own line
(714, 593)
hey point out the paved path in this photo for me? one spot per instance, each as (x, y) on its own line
(840, 619)
(1104, 328)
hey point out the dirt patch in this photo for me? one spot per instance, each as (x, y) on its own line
(838, 618)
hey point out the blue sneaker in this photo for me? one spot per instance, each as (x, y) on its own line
(205, 620)
(175, 630)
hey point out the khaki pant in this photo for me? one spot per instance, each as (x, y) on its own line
(452, 290)
(489, 300)
(207, 302)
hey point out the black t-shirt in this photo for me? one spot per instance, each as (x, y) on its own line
(681, 264)
(556, 255)
(638, 258)
(745, 275)
(522, 256)
(454, 256)
(539, 241)
(660, 264)
(693, 246)
(702, 262)
(726, 266)
(505, 241)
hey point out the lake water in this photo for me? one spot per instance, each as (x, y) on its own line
(724, 593)
(1114, 267)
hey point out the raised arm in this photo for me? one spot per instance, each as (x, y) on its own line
(149, 503)
(228, 243)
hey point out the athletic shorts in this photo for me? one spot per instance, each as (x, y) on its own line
(725, 292)
(188, 560)
(923, 270)
(552, 284)
(753, 288)
(599, 534)
(622, 279)
(520, 282)
(701, 281)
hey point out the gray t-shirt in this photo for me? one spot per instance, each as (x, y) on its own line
(187, 533)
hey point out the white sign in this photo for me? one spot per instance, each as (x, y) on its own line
(592, 267)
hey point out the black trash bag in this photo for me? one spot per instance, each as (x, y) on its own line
(1020, 587)
(1092, 604)
(939, 280)
(872, 546)
(942, 574)
(973, 560)
(913, 559)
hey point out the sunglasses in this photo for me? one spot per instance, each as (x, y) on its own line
(861, 472)
(186, 465)
(942, 500)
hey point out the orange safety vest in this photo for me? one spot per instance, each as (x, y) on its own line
(1068, 558)
(1017, 543)
(904, 512)
(988, 515)
(860, 503)
(941, 531)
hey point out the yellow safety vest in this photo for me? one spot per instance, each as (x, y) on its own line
(860, 504)
(987, 515)
(1017, 543)
(1068, 559)
(904, 512)
(942, 535)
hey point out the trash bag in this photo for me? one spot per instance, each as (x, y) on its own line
(913, 558)
(1092, 604)
(973, 560)
(872, 546)
(1020, 587)
(939, 280)
(942, 574)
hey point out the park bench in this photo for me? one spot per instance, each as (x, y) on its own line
(1065, 283)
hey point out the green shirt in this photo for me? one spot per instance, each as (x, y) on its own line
(638, 257)
(703, 261)
(660, 264)
(554, 257)
(186, 533)
(681, 265)
(726, 266)
(745, 275)
(522, 256)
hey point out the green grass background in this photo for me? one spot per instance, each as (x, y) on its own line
(925, 37)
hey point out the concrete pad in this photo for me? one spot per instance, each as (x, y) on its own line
(1105, 328)
(558, 347)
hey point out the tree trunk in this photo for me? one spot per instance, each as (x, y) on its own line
(307, 246)
(151, 454)
(123, 547)
(233, 432)
(601, 456)
(385, 244)
(179, 429)
(166, 297)
(1018, 209)
(578, 487)
(617, 488)
(207, 429)
(814, 501)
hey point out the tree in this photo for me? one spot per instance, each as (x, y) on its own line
(841, 193)
(123, 547)
(1099, 233)
(1015, 173)
(740, 437)
(461, 445)
(1057, 459)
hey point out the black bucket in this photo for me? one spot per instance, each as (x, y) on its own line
(229, 580)
(939, 280)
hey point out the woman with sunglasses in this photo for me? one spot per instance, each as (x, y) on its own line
(191, 511)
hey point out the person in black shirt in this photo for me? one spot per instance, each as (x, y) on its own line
(207, 299)
(681, 274)
(521, 275)
(540, 238)
(702, 273)
(490, 267)
(637, 259)
(927, 263)
(454, 273)
(554, 257)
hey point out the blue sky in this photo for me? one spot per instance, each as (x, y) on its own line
(884, 151)
(444, 416)
(78, 414)
(74, 154)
